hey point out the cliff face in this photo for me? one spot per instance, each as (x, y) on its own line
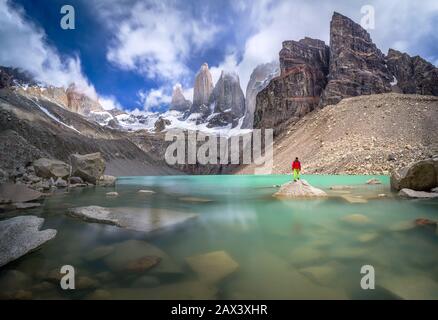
(412, 74)
(259, 79)
(304, 65)
(227, 95)
(357, 66)
(202, 90)
(179, 102)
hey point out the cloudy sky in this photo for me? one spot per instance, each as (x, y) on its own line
(130, 53)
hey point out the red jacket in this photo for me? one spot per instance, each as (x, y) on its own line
(296, 165)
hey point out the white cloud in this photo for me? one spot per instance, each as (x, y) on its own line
(154, 98)
(24, 46)
(109, 103)
(156, 39)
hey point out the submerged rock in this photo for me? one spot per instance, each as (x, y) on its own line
(367, 237)
(146, 191)
(356, 219)
(408, 193)
(402, 226)
(138, 219)
(410, 286)
(21, 235)
(212, 267)
(354, 199)
(341, 188)
(112, 194)
(131, 253)
(26, 205)
(143, 264)
(299, 189)
(194, 199)
(10, 192)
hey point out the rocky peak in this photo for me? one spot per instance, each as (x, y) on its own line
(179, 102)
(412, 74)
(202, 89)
(297, 91)
(79, 102)
(259, 79)
(228, 95)
(357, 66)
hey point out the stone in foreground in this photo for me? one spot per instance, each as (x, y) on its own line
(138, 219)
(21, 235)
(408, 193)
(299, 189)
(212, 267)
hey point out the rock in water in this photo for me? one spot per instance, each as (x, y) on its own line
(10, 192)
(260, 78)
(89, 167)
(20, 235)
(374, 181)
(357, 66)
(356, 219)
(49, 168)
(299, 189)
(419, 176)
(202, 89)
(179, 102)
(139, 219)
(213, 267)
(408, 193)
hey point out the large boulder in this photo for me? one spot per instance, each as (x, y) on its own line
(419, 176)
(21, 235)
(50, 168)
(299, 189)
(89, 167)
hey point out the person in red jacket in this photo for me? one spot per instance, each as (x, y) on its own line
(296, 168)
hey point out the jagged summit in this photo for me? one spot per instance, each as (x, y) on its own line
(179, 102)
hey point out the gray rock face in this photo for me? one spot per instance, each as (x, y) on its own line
(413, 74)
(145, 220)
(297, 90)
(21, 235)
(89, 167)
(50, 168)
(420, 176)
(260, 78)
(227, 95)
(179, 102)
(357, 66)
(202, 89)
(11, 192)
(299, 189)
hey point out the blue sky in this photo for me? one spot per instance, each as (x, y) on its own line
(130, 53)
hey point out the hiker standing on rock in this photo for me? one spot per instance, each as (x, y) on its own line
(296, 168)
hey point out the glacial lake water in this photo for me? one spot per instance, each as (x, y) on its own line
(265, 248)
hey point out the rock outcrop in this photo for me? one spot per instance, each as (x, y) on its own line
(409, 193)
(297, 91)
(419, 176)
(11, 192)
(259, 79)
(412, 74)
(161, 124)
(299, 189)
(202, 90)
(89, 167)
(179, 102)
(21, 235)
(357, 66)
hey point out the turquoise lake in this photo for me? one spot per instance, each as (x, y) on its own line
(265, 248)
